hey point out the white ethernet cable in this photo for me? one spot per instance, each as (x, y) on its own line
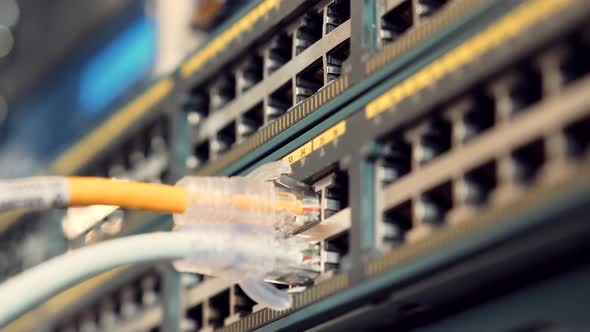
(238, 252)
(33, 193)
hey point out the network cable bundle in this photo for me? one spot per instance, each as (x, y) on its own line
(230, 227)
(328, 165)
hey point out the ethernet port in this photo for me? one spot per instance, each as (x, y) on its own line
(308, 32)
(337, 13)
(66, 326)
(335, 59)
(280, 101)
(578, 138)
(251, 72)
(574, 65)
(336, 248)
(219, 308)
(527, 161)
(427, 8)
(479, 117)
(280, 52)
(199, 157)
(398, 221)
(196, 105)
(128, 158)
(129, 301)
(145, 144)
(395, 160)
(150, 289)
(117, 167)
(433, 206)
(225, 139)
(251, 121)
(224, 91)
(309, 81)
(138, 292)
(158, 136)
(243, 304)
(117, 304)
(525, 90)
(478, 184)
(107, 317)
(396, 21)
(195, 317)
(435, 141)
(88, 321)
(336, 194)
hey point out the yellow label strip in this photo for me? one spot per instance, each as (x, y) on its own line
(220, 43)
(511, 25)
(329, 135)
(300, 153)
(317, 142)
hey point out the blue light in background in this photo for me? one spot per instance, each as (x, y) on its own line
(120, 64)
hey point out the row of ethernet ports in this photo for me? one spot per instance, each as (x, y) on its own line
(206, 99)
(142, 156)
(266, 57)
(463, 158)
(302, 86)
(113, 310)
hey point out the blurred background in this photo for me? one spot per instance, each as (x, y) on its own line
(65, 65)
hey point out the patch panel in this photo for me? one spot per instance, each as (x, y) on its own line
(424, 160)
(475, 187)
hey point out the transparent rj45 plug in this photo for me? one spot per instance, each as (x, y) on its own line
(243, 227)
(267, 196)
(248, 254)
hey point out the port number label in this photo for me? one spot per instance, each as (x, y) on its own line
(299, 153)
(329, 135)
(322, 139)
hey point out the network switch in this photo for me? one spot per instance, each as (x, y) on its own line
(431, 168)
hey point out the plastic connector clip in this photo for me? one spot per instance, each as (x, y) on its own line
(267, 196)
(246, 254)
